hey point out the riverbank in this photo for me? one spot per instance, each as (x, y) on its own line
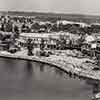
(78, 66)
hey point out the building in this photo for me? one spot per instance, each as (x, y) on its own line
(49, 39)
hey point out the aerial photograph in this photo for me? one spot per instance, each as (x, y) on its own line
(49, 49)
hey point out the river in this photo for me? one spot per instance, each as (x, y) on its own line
(24, 80)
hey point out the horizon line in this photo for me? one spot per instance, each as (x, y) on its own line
(29, 11)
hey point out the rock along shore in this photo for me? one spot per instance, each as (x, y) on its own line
(80, 67)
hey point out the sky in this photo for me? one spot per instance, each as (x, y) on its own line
(91, 7)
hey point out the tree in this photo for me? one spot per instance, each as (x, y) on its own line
(54, 28)
(35, 26)
(42, 45)
(30, 47)
(8, 26)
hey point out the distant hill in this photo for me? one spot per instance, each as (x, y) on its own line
(70, 17)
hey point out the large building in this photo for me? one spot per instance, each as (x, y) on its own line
(50, 39)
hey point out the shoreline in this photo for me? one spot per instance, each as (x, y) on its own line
(69, 68)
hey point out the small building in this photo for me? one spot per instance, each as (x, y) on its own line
(91, 41)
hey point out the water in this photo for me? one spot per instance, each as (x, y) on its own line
(23, 80)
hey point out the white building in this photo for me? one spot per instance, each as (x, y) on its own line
(50, 39)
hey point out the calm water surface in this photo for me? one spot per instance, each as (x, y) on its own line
(23, 80)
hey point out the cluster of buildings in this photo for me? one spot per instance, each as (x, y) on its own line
(53, 33)
(32, 24)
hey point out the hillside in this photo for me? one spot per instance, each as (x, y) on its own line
(71, 17)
